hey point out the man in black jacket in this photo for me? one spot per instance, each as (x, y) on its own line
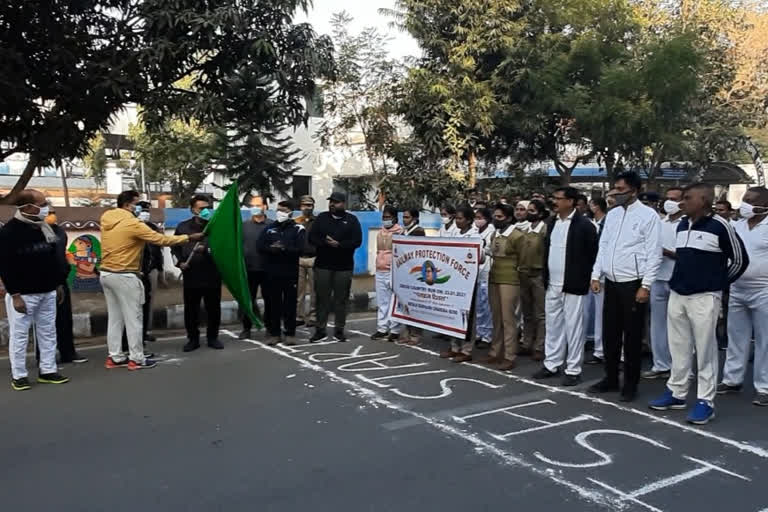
(201, 277)
(32, 270)
(254, 263)
(336, 234)
(281, 243)
(570, 248)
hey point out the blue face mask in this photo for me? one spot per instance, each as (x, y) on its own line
(137, 210)
(205, 214)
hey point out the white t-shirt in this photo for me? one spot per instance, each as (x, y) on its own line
(756, 242)
(668, 242)
(557, 246)
(449, 232)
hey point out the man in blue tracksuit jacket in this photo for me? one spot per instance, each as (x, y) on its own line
(709, 256)
(281, 243)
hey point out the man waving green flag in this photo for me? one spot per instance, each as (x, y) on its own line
(225, 239)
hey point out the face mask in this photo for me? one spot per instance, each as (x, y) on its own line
(307, 212)
(282, 216)
(622, 199)
(387, 223)
(532, 217)
(481, 223)
(144, 216)
(205, 214)
(747, 211)
(500, 224)
(671, 207)
(446, 220)
(42, 211)
(51, 219)
(137, 210)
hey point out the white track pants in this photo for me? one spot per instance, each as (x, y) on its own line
(384, 321)
(691, 323)
(565, 339)
(747, 314)
(41, 312)
(662, 359)
(125, 296)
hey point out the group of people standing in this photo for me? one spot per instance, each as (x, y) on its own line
(557, 269)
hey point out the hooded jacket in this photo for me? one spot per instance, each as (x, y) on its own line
(123, 237)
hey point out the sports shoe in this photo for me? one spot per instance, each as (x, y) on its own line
(245, 334)
(150, 338)
(340, 337)
(571, 380)
(727, 389)
(378, 335)
(79, 359)
(111, 364)
(318, 336)
(21, 384)
(299, 323)
(392, 338)
(146, 365)
(655, 374)
(52, 378)
(544, 373)
(667, 401)
(290, 341)
(215, 344)
(274, 340)
(702, 413)
(448, 354)
(761, 400)
(191, 345)
(462, 358)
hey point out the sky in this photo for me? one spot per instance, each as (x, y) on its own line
(365, 14)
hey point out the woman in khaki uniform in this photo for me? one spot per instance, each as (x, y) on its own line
(532, 290)
(504, 290)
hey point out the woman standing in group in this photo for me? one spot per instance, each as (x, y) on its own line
(411, 335)
(447, 218)
(461, 350)
(532, 290)
(504, 287)
(387, 328)
(483, 319)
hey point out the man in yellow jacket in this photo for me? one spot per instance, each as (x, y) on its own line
(123, 237)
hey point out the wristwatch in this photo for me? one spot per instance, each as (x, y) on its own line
(645, 287)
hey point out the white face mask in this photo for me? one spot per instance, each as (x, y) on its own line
(144, 216)
(387, 223)
(480, 223)
(747, 210)
(446, 220)
(671, 207)
(282, 216)
(42, 211)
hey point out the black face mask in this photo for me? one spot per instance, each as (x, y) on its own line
(500, 224)
(532, 217)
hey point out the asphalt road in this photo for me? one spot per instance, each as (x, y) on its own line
(362, 426)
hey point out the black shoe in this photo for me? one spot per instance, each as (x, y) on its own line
(341, 337)
(77, 359)
(603, 387)
(21, 384)
(245, 334)
(318, 336)
(593, 359)
(544, 373)
(218, 345)
(628, 396)
(150, 338)
(299, 323)
(571, 380)
(378, 335)
(148, 355)
(191, 345)
(52, 378)
(392, 338)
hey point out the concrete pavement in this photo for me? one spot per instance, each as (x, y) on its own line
(363, 426)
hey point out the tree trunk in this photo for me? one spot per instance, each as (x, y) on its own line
(472, 179)
(64, 184)
(23, 180)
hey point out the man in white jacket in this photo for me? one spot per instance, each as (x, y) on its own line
(629, 258)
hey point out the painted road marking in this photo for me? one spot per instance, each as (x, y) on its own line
(746, 447)
(375, 399)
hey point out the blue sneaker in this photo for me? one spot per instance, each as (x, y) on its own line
(702, 413)
(667, 401)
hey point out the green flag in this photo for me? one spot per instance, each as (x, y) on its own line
(225, 239)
